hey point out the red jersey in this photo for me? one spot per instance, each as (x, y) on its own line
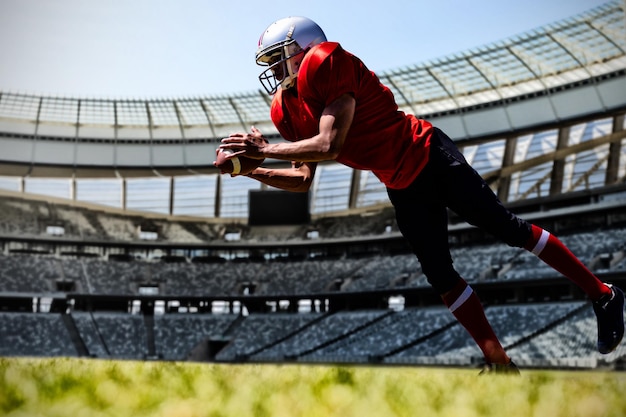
(381, 139)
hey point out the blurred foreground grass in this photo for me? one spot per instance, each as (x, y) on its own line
(88, 387)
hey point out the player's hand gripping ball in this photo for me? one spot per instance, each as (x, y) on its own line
(238, 165)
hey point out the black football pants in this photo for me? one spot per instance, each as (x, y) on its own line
(448, 181)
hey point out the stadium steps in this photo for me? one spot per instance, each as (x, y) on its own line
(195, 230)
(289, 335)
(421, 339)
(148, 321)
(233, 326)
(344, 336)
(316, 336)
(258, 331)
(99, 335)
(72, 330)
(92, 220)
(90, 334)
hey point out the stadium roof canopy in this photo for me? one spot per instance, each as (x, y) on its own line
(156, 154)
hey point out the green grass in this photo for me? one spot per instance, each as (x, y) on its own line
(87, 387)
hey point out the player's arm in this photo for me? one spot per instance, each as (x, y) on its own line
(298, 178)
(334, 125)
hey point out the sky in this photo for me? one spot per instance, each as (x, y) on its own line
(189, 48)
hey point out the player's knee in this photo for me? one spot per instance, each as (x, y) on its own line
(441, 277)
(516, 235)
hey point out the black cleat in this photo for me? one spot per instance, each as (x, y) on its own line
(610, 313)
(499, 368)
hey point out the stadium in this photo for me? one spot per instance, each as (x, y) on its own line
(119, 240)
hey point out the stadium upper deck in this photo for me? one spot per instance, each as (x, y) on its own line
(525, 98)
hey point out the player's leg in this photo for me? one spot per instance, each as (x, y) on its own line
(424, 224)
(470, 197)
(554, 253)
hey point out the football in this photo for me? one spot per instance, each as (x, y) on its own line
(239, 165)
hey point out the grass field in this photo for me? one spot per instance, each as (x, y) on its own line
(88, 387)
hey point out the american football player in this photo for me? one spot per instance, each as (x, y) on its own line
(329, 106)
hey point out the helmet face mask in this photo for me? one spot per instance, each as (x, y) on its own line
(283, 62)
(282, 48)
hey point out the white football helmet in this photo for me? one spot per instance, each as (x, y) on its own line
(282, 47)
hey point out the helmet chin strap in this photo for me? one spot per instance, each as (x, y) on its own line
(293, 67)
(290, 80)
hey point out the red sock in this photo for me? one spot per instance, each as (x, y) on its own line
(464, 304)
(554, 253)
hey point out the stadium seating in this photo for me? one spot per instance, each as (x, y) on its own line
(31, 217)
(27, 273)
(393, 331)
(124, 335)
(571, 343)
(536, 335)
(176, 335)
(317, 334)
(602, 250)
(260, 331)
(511, 323)
(90, 334)
(545, 334)
(29, 334)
